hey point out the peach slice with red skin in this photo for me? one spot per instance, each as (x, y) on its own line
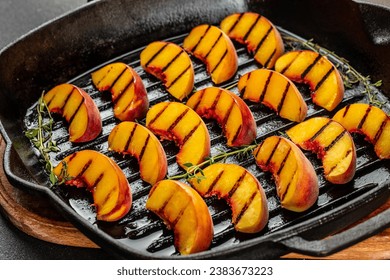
(178, 122)
(212, 46)
(136, 140)
(103, 178)
(240, 189)
(172, 65)
(229, 110)
(333, 145)
(184, 211)
(260, 36)
(275, 91)
(295, 177)
(370, 121)
(314, 69)
(78, 109)
(127, 90)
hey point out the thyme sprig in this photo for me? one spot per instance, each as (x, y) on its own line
(42, 139)
(195, 171)
(350, 75)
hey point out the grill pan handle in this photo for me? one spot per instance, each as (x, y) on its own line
(340, 241)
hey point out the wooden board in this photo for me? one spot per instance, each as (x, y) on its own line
(36, 217)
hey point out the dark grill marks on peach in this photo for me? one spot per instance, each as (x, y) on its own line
(270, 58)
(235, 23)
(362, 121)
(334, 167)
(273, 152)
(117, 78)
(320, 131)
(171, 61)
(105, 75)
(159, 114)
(335, 140)
(346, 110)
(307, 70)
(162, 208)
(178, 119)
(144, 147)
(213, 45)
(127, 145)
(237, 184)
(200, 98)
(178, 217)
(121, 93)
(264, 92)
(85, 167)
(280, 105)
(213, 183)
(179, 76)
(219, 62)
(246, 206)
(200, 39)
(283, 162)
(188, 136)
(324, 78)
(258, 47)
(156, 55)
(380, 130)
(282, 195)
(65, 101)
(227, 115)
(251, 28)
(76, 111)
(237, 133)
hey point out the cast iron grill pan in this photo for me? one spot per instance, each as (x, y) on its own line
(143, 234)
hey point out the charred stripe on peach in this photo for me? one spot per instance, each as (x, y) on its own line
(308, 68)
(258, 47)
(245, 208)
(320, 131)
(200, 39)
(129, 139)
(283, 162)
(159, 51)
(280, 105)
(215, 181)
(335, 140)
(324, 78)
(362, 121)
(235, 23)
(237, 183)
(251, 28)
(273, 152)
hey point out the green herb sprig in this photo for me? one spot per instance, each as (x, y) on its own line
(351, 76)
(195, 171)
(42, 138)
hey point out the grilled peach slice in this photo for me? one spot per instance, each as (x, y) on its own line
(212, 46)
(230, 111)
(184, 211)
(309, 67)
(333, 145)
(103, 178)
(369, 120)
(138, 141)
(78, 109)
(241, 190)
(260, 36)
(178, 122)
(171, 64)
(127, 90)
(295, 178)
(275, 91)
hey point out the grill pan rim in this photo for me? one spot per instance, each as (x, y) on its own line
(83, 224)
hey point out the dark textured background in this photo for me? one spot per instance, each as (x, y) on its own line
(17, 17)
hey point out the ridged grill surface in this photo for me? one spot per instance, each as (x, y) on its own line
(142, 230)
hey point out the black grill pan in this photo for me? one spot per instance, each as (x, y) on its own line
(70, 48)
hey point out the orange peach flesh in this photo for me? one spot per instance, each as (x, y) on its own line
(229, 110)
(241, 190)
(178, 122)
(136, 140)
(172, 65)
(275, 91)
(184, 211)
(333, 145)
(295, 177)
(212, 46)
(78, 109)
(103, 178)
(260, 36)
(127, 90)
(369, 120)
(318, 72)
